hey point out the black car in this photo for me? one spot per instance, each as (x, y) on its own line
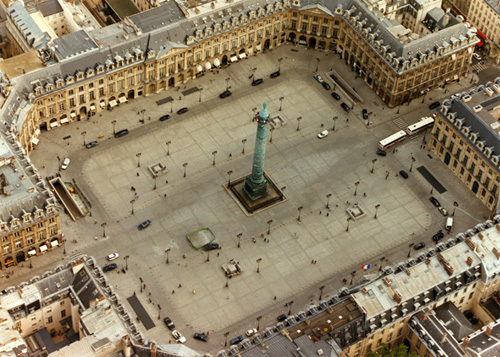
(91, 144)
(164, 117)
(256, 82)
(169, 323)
(236, 340)
(434, 105)
(225, 94)
(211, 246)
(403, 174)
(109, 267)
(345, 106)
(365, 113)
(121, 133)
(436, 237)
(282, 317)
(434, 202)
(275, 74)
(182, 110)
(201, 337)
(335, 96)
(326, 85)
(381, 153)
(419, 246)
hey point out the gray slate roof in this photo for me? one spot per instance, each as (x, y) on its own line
(49, 7)
(27, 26)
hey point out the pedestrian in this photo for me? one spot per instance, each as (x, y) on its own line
(149, 294)
(140, 279)
(173, 292)
(134, 293)
(328, 214)
(166, 181)
(312, 261)
(364, 194)
(180, 285)
(194, 291)
(165, 195)
(230, 155)
(217, 253)
(364, 154)
(184, 256)
(320, 212)
(144, 286)
(137, 174)
(274, 297)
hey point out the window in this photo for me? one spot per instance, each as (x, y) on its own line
(315, 18)
(306, 17)
(304, 27)
(63, 313)
(71, 92)
(49, 320)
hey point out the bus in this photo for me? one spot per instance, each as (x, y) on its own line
(392, 140)
(422, 124)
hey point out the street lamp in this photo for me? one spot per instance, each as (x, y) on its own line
(243, 142)
(83, 134)
(227, 281)
(155, 177)
(279, 64)
(126, 261)
(159, 309)
(317, 64)
(352, 277)
(298, 123)
(321, 292)
(376, 210)
(300, 210)
(138, 159)
(348, 220)
(269, 226)
(142, 112)
(168, 147)
(410, 246)
(281, 102)
(356, 187)
(328, 200)
(239, 239)
(399, 107)
(254, 110)
(258, 322)
(290, 303)
(227, 83)
(229, 177)
(334, 120)
(103, 229)
(132, 203)
(208, 255)
(58, 163)
(225, 335)
(381, 262)
(373, 165)
(412, 161)
(184, 165)
(271, 135)
(171, 107)
(214, 153)
(455, 204)
(114, 122)
(200, 89)
(258, 264)
(166, 251)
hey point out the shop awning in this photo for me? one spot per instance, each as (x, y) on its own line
(73, 115)
(31, 252)
(35, 141)
(92, 107)
(54, 243)
(54, 124)
(123, 100)
(208, 66)
(258, 47)
(37, 132)
(113, 103)
(102, 104)
(199, 68)
(234, 59)
(242, 55)
(216, 62)
(43, 248)
(65, 120)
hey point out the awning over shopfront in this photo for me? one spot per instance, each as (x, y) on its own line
(234, 59)
(35, 141)
(199, 68)
(43, 248)
(102, 104)
(242, 55)
(73, 115)
(54, 243)
(92, 107)
(54, 124)
(32, 252)
(113, 103)
(37, 132)
(216, 62)
(258, 47)
(123, 99)
(208, 66)
(65, 120)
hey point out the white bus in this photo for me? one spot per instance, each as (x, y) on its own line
(392, 140)
(420, 125)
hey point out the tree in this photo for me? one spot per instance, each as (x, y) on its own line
(109, 20)
(398, 351)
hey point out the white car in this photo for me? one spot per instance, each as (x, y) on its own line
(113, 256)
(477, 57)
(323, 134)
(319, 78)
(443, 211)
(65, 163)
(178, 336)
(251, 332)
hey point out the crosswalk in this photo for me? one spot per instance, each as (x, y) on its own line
(400, 123)
(478, 67)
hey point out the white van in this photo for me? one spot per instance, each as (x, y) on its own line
(65, 163)
(449, 223)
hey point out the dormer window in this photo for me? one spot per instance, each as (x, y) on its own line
(49, 87)
(70, 79)
(38, 214)
(3, 226)
(109, 64)
(79, 75)
(14, 223)
(59, 83)
(38, 90)
(26, 218)
(100, 68)
(90, 72)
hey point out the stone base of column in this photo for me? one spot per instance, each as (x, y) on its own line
(254, 190)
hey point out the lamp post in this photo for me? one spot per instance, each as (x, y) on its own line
(83, 134)
(58, 163)
(132, 203)
(184, 165)
(279, 64)
(142, 112)
(399, 107)
(168, 147)
(138, 159)
(258, 322)
(455, 204)
(225, 335)
(328, 200)
(239, 239)
(381, 262)
(243, 142)
(412, 161)
(317, 64)
(103, 229)
(159, 309)
(126, 261)
(334, 120)
(321, 292)
(300, 210)
(227, 83)
(348, 220)
(227, 281)
(214, 153)
(409, 250)
(200, 89)
(155, 177)
(166, 251)
(171, 107)
(208, 255)
(254, 110)
(373, 165)
(356, 187)
(376, 210)
(229, 177)
(271, 134)
(64, 246)
(290, 303)
(298, 123)
(281, 102)
(114, 122)
(258, 264)
(352, 277)
(269, 226)
(31, 265)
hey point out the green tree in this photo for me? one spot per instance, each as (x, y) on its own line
(109, 20)
(398, 351)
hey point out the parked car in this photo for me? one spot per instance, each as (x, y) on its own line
(282, 317)
(434, 201)
(434, 105)
(91, 144)
(251, 332)
(109, 267)
(225, 94)
(326, 85)
(335, 96)
(65, 163)
(477, 57)
(443, 211)
(318, 78)
(256, 82)
(275, 74)
(121, 133)
(365, 113)
(182, 110)
(381, 153)
(201, 337)
(323, 134)
(436, 237)
(144, 225)
(178, 336)
(113, 256)
(236, 340)
(164, 117)
(419, 246)
(345, 106)
(211, 246)
(403, 174)
(169, 323)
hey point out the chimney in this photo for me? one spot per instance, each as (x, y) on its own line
(443, 339)
(469, 261)
(488, 330)
(465, 342)
(424, 317)
(446, 19)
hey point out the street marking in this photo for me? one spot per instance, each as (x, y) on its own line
(400, 123)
